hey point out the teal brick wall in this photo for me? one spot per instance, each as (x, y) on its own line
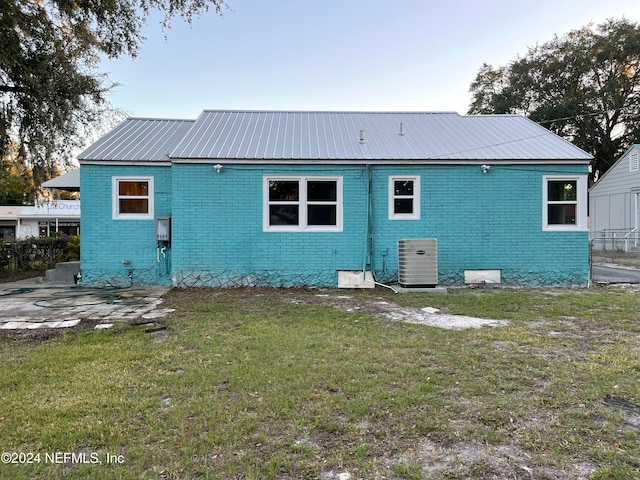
(219, 238)
(481, 221)
(105, 243)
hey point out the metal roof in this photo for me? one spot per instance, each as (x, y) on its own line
(387, 136)
(138, 139)
(335, 136)
(69, 181)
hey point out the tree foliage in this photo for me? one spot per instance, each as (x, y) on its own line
(583, 86)
(50, 89)
(16, 182)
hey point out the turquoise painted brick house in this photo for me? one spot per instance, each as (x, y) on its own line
(312, 198)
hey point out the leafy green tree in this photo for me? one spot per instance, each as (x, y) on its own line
(583, 86)
(50, 88)
(16, 182)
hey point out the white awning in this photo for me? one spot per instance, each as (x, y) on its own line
(69, 181)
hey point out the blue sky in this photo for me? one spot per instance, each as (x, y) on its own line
(362, 55)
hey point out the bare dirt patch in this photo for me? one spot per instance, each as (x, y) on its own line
(6, 277)
(392, 311)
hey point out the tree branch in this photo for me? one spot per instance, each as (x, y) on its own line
(10, 89)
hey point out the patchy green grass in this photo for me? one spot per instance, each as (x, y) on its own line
(289, 384)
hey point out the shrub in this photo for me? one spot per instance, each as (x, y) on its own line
(38, 253)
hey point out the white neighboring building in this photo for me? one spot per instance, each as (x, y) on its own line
(614, 201)
(46, 218)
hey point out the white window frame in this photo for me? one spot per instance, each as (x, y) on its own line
(302, 202)
(116, 215)
(415, 215)
(580, 202)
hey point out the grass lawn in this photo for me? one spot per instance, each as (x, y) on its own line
(307, 384)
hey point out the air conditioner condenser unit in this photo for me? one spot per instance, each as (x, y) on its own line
(418, 262)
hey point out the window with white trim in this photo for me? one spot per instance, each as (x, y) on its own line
(564, 201)
(404, 197)
(132, 198)
(304, 203)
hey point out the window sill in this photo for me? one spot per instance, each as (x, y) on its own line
(303, 230)
(564, 229)
(404, 218)
(133, 217)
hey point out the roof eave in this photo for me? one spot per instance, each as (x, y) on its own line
(379, 161)
(127, 163)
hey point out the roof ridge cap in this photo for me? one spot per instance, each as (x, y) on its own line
(374, 112)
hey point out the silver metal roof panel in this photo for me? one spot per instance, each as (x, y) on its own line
(138, 139)
(69, 181)
(335, 136)
(265, 135)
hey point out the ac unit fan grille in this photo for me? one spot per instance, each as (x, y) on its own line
(418, 262)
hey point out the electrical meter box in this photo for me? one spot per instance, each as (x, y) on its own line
(163, 229)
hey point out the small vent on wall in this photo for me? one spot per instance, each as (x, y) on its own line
(634, 161)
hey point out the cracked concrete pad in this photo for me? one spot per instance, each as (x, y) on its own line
(34, 304)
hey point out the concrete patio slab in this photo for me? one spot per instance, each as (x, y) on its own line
(36, 303)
